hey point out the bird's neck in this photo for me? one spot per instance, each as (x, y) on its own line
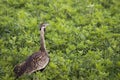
(42, 40)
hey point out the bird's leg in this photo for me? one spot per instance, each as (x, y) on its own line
(35, 77)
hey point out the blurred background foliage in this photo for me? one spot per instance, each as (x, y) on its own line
(83, 38)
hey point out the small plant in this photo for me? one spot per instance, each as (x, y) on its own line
(83, 39)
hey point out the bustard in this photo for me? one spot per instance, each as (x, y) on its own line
(37, 61)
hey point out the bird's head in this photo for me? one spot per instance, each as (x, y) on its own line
(43, 25)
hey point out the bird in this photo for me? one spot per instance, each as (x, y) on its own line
(37, 61)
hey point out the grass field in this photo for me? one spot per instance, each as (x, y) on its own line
(83, 38)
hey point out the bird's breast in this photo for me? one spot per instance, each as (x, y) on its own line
(42, 62)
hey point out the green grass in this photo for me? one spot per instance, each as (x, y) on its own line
(83, 38)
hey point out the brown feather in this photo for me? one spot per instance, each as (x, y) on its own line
(37, 61)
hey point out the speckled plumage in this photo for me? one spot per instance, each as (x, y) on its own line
(37, 61)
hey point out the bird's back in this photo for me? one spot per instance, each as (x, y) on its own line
(37, 61)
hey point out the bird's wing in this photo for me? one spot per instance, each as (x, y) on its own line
(37, 61)
(34, 60)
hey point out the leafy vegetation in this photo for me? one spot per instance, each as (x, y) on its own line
(83, 38)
